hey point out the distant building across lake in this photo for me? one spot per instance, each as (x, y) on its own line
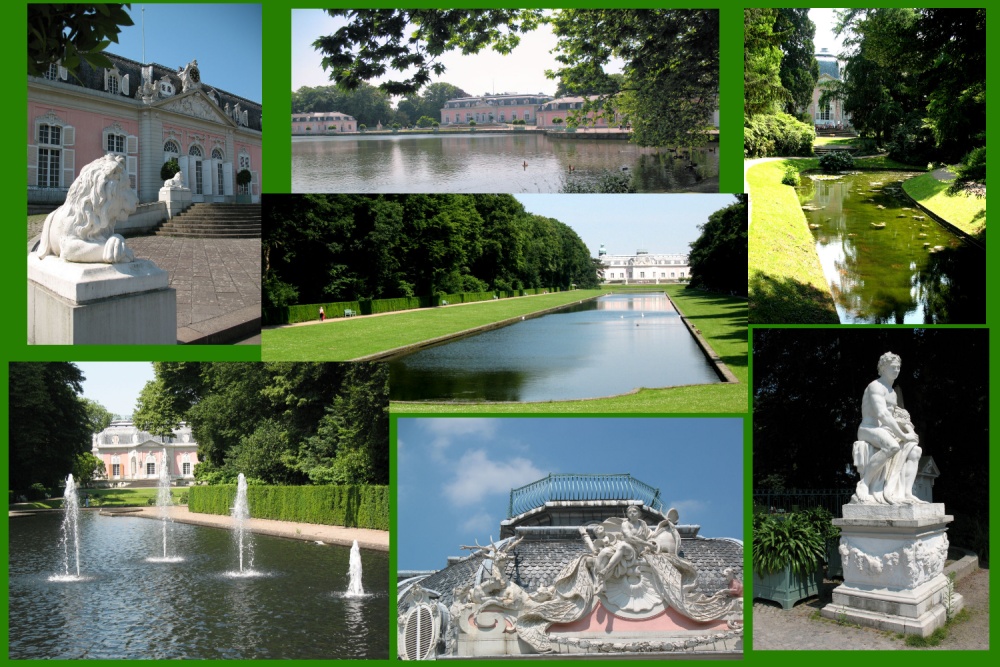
(643, 268)
(502, 108)
(323, 122)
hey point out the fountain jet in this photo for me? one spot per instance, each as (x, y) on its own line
(241, 514)
(354, 587)
(70, 538)
(164, 502)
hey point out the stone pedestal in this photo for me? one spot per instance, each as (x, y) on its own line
(893, 558)
(99, 304)
(176, 199)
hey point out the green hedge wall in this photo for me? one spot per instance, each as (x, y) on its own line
(310, 311)
(350, 506)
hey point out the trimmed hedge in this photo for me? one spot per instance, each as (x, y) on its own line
(310, 311)
(330, 505)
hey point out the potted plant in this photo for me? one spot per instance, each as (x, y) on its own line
(362, 128)
(472, 125)
(518, 125)
(436, 125)
(788, 556)
(395, 128)
(243, 178)
(557, 122)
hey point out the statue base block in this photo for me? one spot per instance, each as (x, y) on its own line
(893, 558)
(99, 304)
(176, 199)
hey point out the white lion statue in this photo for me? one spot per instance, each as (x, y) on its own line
(175, 182)
(83, 229)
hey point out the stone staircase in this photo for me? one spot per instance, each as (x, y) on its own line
(215, 221)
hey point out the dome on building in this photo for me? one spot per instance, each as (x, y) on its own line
(585, 564)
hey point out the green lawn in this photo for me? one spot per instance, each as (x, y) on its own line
(786, 281)
(349, 338)
(965, 211)
(833, 141)
(106, 498)
(722, 321)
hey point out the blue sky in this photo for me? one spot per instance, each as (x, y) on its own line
(454, 475)
(224, 39)
(115, 385)
(665, 223)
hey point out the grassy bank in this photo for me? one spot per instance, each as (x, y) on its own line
(107, 498)
(346, 339)
(965, 211)
(786, 280)
(722, 321)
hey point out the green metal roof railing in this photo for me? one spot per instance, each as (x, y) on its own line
(582, 487)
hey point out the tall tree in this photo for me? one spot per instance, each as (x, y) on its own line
(671, 71)
(366, 103)
(719, 256)
(97, 415)
(762, 90)
(799, 67)
(49, 424)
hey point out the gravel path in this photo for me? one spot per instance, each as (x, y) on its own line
(801, 627)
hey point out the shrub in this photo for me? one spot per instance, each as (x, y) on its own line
(396, 126)
(169, 169)
(472, 123)
(243, 177)
(836, 161)
(791, 177)
(37, 491)
(973, 165)
(425, 121)
(912, 141)
(789, 541)
(332, 505)
(777, 135)
(362, 127)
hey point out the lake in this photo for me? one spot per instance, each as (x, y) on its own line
(489, 163)
(886, 261)
(126, 607)
(603, 347)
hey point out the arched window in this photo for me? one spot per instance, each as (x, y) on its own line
(49, 155)
(217, 155)
(195, 151)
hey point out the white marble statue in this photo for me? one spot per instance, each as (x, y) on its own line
(83, 228)
(886, 453)
(175, 182)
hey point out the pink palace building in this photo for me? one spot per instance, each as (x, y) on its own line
(132, 456)
(148, 113)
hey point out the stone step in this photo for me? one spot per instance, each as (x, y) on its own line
(215, 221)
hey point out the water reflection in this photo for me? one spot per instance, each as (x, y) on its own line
(138, 610)
(602, 347)
(886, 262)
(490, 163)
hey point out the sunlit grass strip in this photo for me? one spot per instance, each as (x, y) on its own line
(346, 339)
(786, 280)
(965, 211)
(722, 321)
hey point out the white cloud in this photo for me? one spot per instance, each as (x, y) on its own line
(480, 523)
(689, 510)
(446, 432)
(477, 476)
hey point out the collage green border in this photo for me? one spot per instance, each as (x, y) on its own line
(276, 52)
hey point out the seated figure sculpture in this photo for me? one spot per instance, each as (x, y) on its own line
(886, 453)
(83, 228)
(175, 182)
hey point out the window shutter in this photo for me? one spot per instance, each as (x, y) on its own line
(131, 165)
(63, 73)
(208, 177)
(106, 79)
(227, 177)
(68, 135)
(131, 144)
(32, 165)
(254, 183)
(125, 85)
(68, 167)
(182, 162)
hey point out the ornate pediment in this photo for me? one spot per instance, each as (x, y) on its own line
(196, 105)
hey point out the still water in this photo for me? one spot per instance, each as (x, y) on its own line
(128, 608)
(489, 163)
(603, 347)
(909, 271)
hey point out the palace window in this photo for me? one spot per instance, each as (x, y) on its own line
(220, 185)
(825, 113)
(52, 73)
(186, 467)
(116, 469)
(150, 468)
(115, 143)
(49, 159)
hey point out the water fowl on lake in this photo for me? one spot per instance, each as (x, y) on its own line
(885, 261)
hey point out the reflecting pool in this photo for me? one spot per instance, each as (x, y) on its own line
(490, 163)
(125, 607)
(603, 347)
(886, 261)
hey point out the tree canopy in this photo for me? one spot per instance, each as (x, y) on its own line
(71, 34)
(277, 423)
(367, 104)
(718, 257)
(799, 68)
(347, 247)
(415, 106)
(668, 90)
(50, 424)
